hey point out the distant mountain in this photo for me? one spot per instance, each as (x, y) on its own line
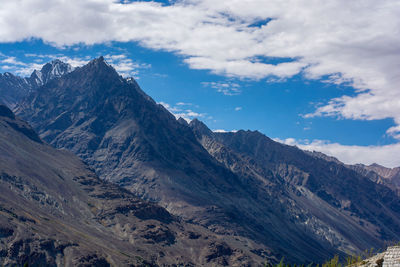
(241, 185)
(54, 211)
(389, 177)
(49, 71)
(14, 88)
(327, 197)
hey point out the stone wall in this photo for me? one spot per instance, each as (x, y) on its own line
(392, 257)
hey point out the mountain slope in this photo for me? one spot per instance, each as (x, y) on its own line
(389, 177)
(380, 174)
(49, 71)
(330, 199)
(118, 130)
(13, 88)
(55, 211)
(130, 140)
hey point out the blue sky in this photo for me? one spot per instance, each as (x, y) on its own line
(248, 65)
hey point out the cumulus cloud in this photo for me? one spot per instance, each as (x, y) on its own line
(226, 88)
(121, 62)
(224, 131)
(387, 155)
(11, 64)
(344, 42)
(179, 111)
(126, 66)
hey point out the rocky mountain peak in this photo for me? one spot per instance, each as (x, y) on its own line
(199, 128)
(49, 71)
(239, 182)
(99, 69)
(100, 62)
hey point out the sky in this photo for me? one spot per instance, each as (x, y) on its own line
(321, 75)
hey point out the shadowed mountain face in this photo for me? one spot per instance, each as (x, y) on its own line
(389, 177)
(381, 175)
(303, 209)
(14, 88)
(55, 211)
(335, 201)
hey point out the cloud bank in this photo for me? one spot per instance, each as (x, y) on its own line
(124, 65)
(387, 155)
(356, 43)
(352, 42)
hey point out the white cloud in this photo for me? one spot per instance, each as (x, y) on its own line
(73, 61)
(179, 112)
(224, 131)
(352, 42)
(11, 64)
(25, 69)
(387, 155)
(126, 66)
(238, 108)
(12, 61)
(183, 104)
(226, 88)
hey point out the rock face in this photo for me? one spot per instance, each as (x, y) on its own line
(13, 88)
(49, 71)
(328, 198)
(242, 185)
(54, 211)
(389, 177)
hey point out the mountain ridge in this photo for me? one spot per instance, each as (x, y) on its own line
(217, 181)
(54, 211)
(14, 88)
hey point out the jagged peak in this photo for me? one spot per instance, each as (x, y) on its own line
(182, 121)
(376, 165)
(53, 69)
(199, 127)
(56, 63)
(8, 74)
(99, 64)
(100, 61)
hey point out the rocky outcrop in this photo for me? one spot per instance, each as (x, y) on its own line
(389, 177)
(54, 211)
(327, 198)
(241, 185)
(14, 88)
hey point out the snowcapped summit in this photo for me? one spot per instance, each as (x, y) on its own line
(14, 88)
(49, 71)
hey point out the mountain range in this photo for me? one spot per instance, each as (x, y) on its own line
(13, 88)
(55, 211)
(263, 199)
